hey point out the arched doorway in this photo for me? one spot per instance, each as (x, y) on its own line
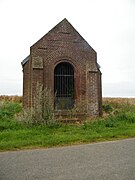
(64, 86)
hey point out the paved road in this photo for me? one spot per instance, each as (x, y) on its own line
(100, 161)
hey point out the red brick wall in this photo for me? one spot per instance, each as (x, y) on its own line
(64, 44)
(26, 85)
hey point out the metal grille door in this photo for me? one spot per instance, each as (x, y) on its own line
(64, 86)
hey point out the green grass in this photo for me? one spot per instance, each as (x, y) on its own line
(17, 135)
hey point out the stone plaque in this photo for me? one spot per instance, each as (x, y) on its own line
(37, 62)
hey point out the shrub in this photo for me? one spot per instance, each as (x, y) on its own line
(120, 117)
(107, 108)
(128, 117)
(9, 109)
(111, 122)
(42, 112)
(131, 117)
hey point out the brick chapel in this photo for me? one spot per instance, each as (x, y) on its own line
(65, 63)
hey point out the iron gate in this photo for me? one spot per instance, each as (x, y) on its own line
(64, 86)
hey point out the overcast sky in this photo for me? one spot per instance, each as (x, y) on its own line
(107, 25)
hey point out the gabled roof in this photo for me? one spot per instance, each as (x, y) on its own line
(25, 60)
(63, 27)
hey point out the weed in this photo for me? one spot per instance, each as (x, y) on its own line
(107, 108)
(9, 109)
(42, 112)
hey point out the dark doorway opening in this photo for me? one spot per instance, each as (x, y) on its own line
(64, 86)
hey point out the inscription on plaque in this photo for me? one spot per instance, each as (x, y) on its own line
(37, 62)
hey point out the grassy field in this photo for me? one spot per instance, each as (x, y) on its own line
(118, 122)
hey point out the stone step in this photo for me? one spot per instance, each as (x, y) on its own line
(69, 117)
(70, 120)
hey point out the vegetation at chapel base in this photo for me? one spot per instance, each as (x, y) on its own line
(118, 122)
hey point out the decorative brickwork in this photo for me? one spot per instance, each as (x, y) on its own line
(64, 44)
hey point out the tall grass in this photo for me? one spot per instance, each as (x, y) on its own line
(9, 109)
(42, 111)
(117, 122)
